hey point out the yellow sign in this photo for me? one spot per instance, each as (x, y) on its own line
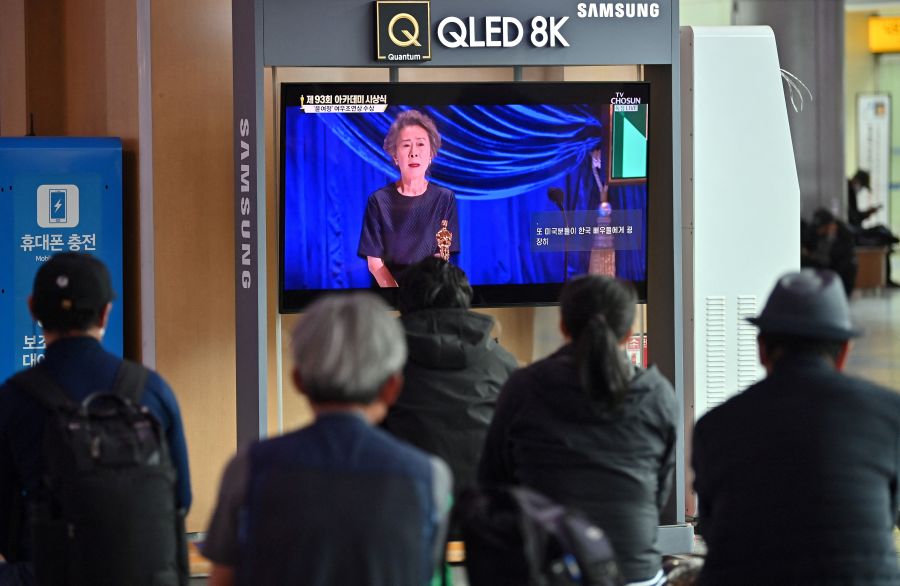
(402, 30)
(884, 34)
(411, 38)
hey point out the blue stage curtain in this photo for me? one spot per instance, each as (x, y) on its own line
(500, 162)
(488, 152)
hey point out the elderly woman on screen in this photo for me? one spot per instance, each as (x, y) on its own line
(411, 218)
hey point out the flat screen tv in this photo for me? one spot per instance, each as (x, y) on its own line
(531, 185)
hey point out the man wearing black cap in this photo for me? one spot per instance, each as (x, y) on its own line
(71, 298)
(797, 477)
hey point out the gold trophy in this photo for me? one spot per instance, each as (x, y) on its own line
(603, 252)
(444, 237)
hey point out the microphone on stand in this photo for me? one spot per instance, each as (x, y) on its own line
(558, 196)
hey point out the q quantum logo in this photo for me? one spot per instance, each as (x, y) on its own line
(403, 30)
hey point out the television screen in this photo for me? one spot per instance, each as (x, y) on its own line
(522, 185)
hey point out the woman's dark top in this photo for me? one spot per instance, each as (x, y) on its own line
(401, 230)
(615, 465)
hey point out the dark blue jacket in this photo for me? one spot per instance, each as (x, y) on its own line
(81, 366)
(338, 502)
(797, 480)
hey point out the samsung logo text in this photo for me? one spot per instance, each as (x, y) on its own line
(618, 10)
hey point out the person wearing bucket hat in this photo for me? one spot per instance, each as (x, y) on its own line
(71, 299)
(797, 477)
(807, 304)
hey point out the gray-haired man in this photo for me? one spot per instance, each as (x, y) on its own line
(340, 501)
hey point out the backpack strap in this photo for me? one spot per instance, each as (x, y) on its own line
(38, 383)
(130, 381)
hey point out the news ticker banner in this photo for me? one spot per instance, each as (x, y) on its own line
(873, 149)
(57, 195)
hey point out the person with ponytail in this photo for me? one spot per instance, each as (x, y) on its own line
(590, 430)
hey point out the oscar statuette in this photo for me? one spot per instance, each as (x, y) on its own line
(444, 237)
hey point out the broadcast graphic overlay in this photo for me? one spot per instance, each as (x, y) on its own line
(537, 183)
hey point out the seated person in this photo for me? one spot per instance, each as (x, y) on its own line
(340, 501)
(454, 371)
(797, 476)
(855, 185)
(590, 430)
(879, 235)
(827, 243)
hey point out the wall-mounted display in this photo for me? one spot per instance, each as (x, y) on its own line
(522, 185)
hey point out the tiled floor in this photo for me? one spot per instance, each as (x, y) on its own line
(876, 355)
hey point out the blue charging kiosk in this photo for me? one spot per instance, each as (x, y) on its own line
(56, 195)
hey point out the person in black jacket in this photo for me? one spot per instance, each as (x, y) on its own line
(855, 215)
(827, 243)
(797, 477)
(590, 430)
(72, 298)
(878, 235)
(454, 371)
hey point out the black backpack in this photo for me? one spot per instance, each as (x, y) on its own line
(517, 537)
(106, 511)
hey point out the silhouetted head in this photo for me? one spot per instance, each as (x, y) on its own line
(807, 312)
(71, 292)
(597, 314)
(433, 283)
(824, 222)
(822, 216)
(345, 347)
(861, 179)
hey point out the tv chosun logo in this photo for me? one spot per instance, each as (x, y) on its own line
(57, 206)
(403, 30)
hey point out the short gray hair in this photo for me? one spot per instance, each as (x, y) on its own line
(346, 346)
(412, 118)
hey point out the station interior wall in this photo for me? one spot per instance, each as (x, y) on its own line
(864, 72)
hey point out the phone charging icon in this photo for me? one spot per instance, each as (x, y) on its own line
(57, 206)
